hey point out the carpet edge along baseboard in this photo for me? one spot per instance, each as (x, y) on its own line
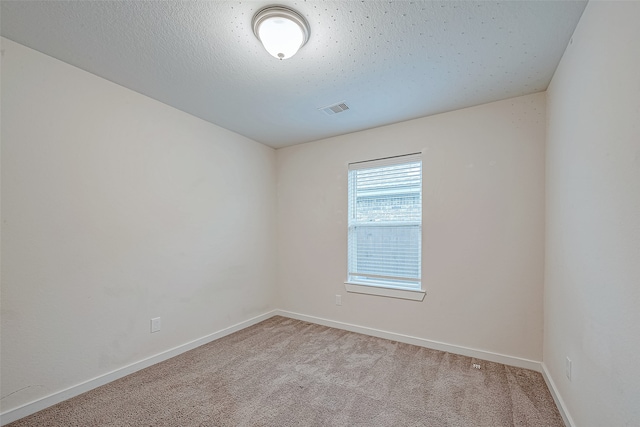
(59, 396)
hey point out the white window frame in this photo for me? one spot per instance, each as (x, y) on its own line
(383, 289)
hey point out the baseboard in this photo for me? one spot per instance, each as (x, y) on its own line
(556, 397)
(57, 397)
(407, 339)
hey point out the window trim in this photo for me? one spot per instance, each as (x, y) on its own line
(386, 291)
(390, 291)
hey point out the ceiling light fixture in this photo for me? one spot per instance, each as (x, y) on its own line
(281, 30)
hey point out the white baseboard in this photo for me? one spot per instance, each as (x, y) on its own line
(421, 342)
(556, 397)
(59, 396)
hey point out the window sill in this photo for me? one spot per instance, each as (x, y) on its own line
(414, 295)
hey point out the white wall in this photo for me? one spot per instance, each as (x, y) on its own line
(592, 290)
(116, 209)
(483, 172)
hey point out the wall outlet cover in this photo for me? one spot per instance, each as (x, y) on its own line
(155, 324)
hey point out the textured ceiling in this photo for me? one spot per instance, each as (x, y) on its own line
(388, 60)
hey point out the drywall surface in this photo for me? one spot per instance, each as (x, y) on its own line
(373, 54)
(117, 209)
(592, 283)
(483, 227)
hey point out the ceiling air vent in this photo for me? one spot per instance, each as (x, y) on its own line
(335, 108)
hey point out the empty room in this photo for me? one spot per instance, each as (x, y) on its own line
(320, 213)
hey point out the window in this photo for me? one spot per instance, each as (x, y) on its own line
(385, 227)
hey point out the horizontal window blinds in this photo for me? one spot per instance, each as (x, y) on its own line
(385, 222)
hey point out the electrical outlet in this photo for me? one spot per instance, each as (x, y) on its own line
(338, 299)
(155, 324)
(567, 368)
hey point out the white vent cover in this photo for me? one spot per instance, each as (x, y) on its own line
(335, 108)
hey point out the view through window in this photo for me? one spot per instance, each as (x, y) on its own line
(385, 222)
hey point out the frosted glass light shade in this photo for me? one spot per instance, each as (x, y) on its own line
(281, 30)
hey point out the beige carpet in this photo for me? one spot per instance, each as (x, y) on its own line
(284, 372)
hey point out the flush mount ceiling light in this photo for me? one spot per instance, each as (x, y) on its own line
(281, 30)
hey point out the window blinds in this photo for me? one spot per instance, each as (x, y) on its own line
(385, 222)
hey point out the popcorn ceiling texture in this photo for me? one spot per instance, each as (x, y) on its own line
(285, 372)
(389, 60)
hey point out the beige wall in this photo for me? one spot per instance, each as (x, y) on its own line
(116, 209)
(483, 227)
(592, 291)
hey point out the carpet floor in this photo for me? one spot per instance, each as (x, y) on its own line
(285, 372)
